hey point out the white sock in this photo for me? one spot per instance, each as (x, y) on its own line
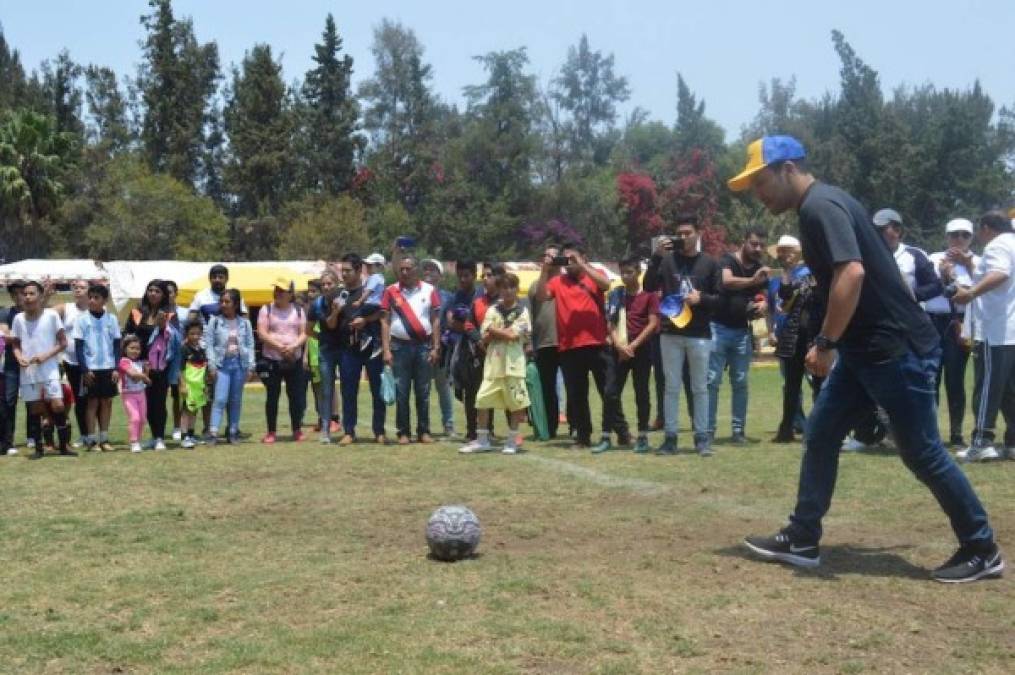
(103, 436)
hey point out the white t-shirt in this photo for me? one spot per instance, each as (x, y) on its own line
(37, 337)
(207, 304)
(98, 335)
(70, 315)
(995, 310)
(962, 277)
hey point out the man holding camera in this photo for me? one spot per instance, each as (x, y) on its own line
(579, 297)
(687, 276)
(741, 300)
(993, 295)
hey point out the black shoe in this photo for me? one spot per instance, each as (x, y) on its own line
(669, 446)
(738, 438)
(782, 548)
(68, 453)
(624, 440)
(38, 454)
(784, 437)
(967, 565)
(956, 441)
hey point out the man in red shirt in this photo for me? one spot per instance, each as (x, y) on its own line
(581, 340)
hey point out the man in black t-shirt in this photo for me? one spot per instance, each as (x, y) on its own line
(876, 343)
(743, 279)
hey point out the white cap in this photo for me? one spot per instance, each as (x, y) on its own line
(885, 216)
(374, 259)
(435, 263)
(787, 241)
(959, 225)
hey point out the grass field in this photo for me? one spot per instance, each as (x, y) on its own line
(305, 558)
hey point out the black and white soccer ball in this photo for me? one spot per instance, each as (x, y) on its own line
(453, 533)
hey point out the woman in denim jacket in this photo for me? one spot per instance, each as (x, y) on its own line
(230, 341)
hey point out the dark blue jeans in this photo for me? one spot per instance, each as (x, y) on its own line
(904, 387)
(412, 372)
(351, 364)
(328, 359)
(954, 358)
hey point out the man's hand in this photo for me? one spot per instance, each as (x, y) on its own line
(624, 353)
(357, 323)
(115, 376)
(23, 362)
(664, 245)
(762, 274)
(693, 297)
(89, 378)
(964, 258)
(819, 361)
(389, 358)
(963, 296)
(434, 356)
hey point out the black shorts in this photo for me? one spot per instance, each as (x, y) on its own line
(102, 387)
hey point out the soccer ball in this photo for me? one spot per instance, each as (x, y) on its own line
(453, 533)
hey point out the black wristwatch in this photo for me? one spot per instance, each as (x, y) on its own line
(825, 344)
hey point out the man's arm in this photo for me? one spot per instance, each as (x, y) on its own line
(928, 284)
(730, 282)
(598, 278)
(986, 284)
(843, 297)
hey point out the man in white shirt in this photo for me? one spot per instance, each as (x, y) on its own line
(993, 298)
(948, 317)
(411, 337)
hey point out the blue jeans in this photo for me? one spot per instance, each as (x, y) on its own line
(228, 391)
(351, 364)
(444, 396)
(412, 371)
(954, 358)
(731, 346)
(904, 387)
(328, 359)
(675, 349)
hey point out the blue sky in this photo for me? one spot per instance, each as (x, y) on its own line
(723, 49)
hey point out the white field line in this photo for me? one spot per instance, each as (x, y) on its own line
(642, 487)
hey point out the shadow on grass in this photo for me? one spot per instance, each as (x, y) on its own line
(470, 557)
(874, 561)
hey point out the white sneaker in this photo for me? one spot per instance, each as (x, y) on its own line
(853, 445)
(325, 439)
(30, 444)
(78, 443)
(135, 447)
(177, 434)
(159, 444)
(11, 452)
(509, 450)
(475, 446)
(188, 443)
(973, 453)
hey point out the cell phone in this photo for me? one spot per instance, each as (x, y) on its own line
(405, 241)
(561, 261)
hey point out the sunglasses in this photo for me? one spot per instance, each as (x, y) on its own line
(964, 235)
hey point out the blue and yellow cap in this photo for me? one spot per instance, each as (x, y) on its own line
(761, 153)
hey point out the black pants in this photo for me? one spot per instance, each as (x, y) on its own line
(156, 395)
(792, 390)
(295, 391)
(547, 363)
(993, 391)
(80, 407)
(9, 405)
(640, 368)
(577, 365)
(954, 359)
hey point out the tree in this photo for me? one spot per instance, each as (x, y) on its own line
(17, 91)
(176, 81)
(402, 115)
(63, 95)
(259, 123)
(329, 143)
(638, 201)
(34, 160)
(588, 89)
(108, 128)
(693, 128)
(149, 216)
(324, 227)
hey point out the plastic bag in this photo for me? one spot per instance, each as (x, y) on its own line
(388, 386)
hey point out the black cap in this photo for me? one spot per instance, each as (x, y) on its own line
(218, 269)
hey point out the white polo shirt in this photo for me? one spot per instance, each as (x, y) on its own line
(995, 310)
(963, 277)
(422, 299)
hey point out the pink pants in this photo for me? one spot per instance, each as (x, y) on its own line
(136, 406)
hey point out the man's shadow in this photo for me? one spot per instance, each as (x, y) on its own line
(874, 561)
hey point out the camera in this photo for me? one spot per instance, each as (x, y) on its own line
(950, 290)
(561, 261)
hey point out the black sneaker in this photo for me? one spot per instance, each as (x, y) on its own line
(38, 454)
(669, 446)
(782, 548)
(967, 565)
(738, 438)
